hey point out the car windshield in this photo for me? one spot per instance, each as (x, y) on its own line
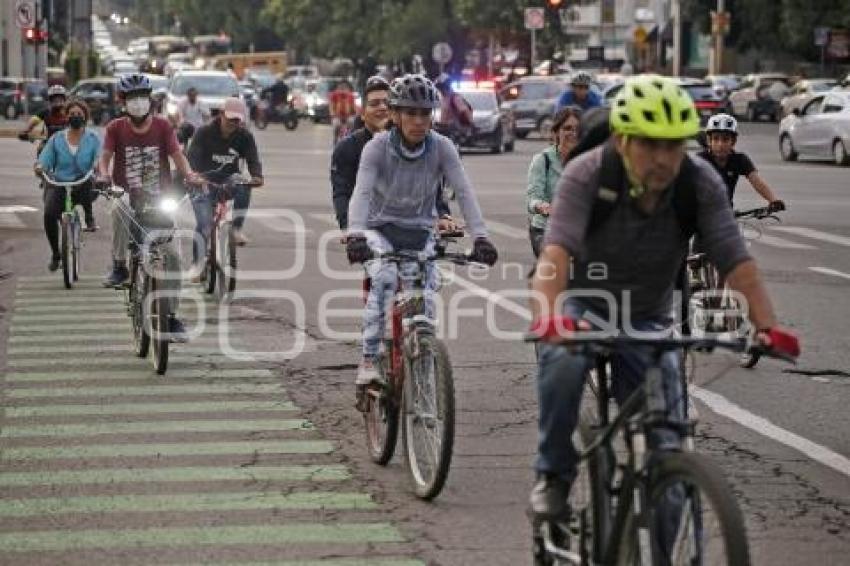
(157, 81)
(533, 91)
(823, 86)
(207, 85)
(482, 101)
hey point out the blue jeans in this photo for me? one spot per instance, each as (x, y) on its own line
(202, 204)
(560, 383)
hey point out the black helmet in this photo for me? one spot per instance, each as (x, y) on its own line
(414, 91)
(134, 82)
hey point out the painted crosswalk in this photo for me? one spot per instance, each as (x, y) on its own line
(100, 457)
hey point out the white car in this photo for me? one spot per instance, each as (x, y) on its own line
(213, 87)
(820, 130)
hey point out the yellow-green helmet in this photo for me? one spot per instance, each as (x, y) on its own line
(654, 107)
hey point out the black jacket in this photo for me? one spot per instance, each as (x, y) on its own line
(344, 165)
(209, 151)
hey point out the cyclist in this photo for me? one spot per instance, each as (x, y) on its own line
(580, 94)
(68, 156)
(545, 170)
(393, 205)
(53, 117)
(141, 145)
(342, 107)
(192, 114)
(624, 263)
(218, 146)
(721, 137)
(346, 156)
(455, 117)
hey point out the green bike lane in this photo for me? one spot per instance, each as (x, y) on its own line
(102, 461)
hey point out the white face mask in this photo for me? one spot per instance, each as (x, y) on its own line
(138, 107)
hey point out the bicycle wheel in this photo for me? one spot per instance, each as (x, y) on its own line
(210, 265)
(227, 259)
(67, 247)
(159, 327)
(428, 416)
(136, 294)
(694, 518)
(381, 418)
(76, 248)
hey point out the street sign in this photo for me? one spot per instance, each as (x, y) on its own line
(535, 18)
(821, 36)
(25, 13)
(441, 53)
(720, 22)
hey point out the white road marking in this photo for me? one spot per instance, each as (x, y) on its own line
(814, 234)
(17, 208)
(828, 271)
(714, 401)
(506, 230)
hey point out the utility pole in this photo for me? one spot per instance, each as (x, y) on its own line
(676, 8)
(718, 38)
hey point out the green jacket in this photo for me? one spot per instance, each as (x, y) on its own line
(542, 181)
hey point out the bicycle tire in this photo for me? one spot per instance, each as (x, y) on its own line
(674, 469)
(227, 284)
(159, 328)
(76, 249)
(66, 250)
(260, 120)
(429, 486)
(381, 419)
(211, 265)
(136, 294)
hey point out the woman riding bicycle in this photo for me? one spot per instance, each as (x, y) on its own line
(68, 156)
(545, 170)
(393, 207)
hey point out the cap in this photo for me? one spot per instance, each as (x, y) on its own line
(234, 108)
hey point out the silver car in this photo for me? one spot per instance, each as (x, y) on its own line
(803, 91)
(213, 87)
(820, 130)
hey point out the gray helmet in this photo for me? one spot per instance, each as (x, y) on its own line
(56, 90)
(581, 78)
(414, 91)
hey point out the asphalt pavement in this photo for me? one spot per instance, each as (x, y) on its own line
(249, 450)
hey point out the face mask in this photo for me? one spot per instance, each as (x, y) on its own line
(76, 122)
(138, 107)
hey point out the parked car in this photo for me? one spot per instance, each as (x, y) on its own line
(213, 87)
(821, 129)
(759, 96)
(101, 95)
(803, 91)
(532, 102)
(493, 123)
(22, 96)
(706, 99)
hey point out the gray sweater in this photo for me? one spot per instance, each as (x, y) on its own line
(392, 190)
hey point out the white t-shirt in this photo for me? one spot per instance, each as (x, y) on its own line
(196, 114)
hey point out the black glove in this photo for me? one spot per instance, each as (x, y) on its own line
(483, 251)
(357, 249)
(776, 206)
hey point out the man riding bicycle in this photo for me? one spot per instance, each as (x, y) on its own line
(346, 156)
(53, 117)
(393, 207)
(580, 94)
(618, 235)
(141, 145)
(342, 107)
(216, 150)
(721, 136)
(454, 119)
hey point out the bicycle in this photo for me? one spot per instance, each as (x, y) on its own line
(152, 228)
(220, 264)
(716, 306)
(643, 507)
(70, 227)
(416, 388)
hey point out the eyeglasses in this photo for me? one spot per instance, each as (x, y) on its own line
(416, 112)
(378, 102)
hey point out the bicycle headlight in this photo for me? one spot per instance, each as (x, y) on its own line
(169, 205)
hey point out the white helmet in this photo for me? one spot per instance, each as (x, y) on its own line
(722, 123)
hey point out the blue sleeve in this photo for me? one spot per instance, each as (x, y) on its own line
(565, 100)
(595, 99)
(92, 152)
(47, 157)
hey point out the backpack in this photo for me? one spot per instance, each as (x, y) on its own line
(612, 178)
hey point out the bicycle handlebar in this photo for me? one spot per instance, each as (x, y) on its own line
(51, 181)
(757, 213)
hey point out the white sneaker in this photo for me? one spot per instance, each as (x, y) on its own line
(367, 373)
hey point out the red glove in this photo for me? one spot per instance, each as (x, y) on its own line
(781, 341)
(545, 327)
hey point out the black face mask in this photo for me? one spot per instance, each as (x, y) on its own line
(76, 122)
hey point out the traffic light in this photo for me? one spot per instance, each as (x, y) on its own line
(35, 35)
